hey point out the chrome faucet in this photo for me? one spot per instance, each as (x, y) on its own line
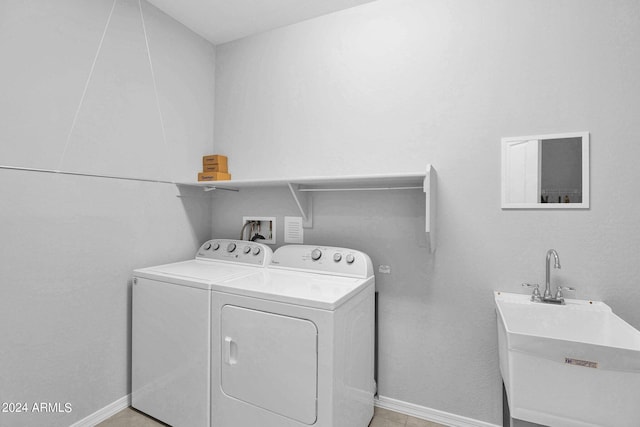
(547, 284)
(547, 296)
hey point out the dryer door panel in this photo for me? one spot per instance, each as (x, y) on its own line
(270, 361)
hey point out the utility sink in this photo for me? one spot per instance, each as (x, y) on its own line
(569, 365)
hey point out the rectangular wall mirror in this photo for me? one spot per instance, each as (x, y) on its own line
(546, 171)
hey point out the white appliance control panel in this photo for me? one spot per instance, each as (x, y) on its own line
(323, 259)
(236, 251)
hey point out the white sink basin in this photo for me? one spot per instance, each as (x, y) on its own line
(568, 365)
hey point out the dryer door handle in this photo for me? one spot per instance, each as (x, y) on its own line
(230, 351)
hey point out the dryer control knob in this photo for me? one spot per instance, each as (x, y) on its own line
(316, 254)
(231, 247)
(216, 246)
(350, 259)
(337, 257)
(256, 250)
(246, 249)
(206, 246)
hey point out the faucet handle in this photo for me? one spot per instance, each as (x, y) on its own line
(563, 288)
(535, 295)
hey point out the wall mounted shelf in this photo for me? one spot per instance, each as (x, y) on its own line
(302, 188)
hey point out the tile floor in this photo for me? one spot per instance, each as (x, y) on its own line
(387, 418)
(382, 418)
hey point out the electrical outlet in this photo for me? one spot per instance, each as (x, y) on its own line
(264, 226)
(384, 269)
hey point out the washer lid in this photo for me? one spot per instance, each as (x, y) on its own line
(195, 273)
(300, 288)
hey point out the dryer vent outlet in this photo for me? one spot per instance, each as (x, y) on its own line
(261, 229)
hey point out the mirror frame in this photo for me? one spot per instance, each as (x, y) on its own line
(539, 205)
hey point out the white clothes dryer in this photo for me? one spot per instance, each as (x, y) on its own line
(171, 329)
(294, 343)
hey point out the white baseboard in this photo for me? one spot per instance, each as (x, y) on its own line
(104, 413)
(429, 414)
(406, 408)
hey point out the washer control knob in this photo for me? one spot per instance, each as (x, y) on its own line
(246, 249)
(350, 259)
(316, 254)
(231, 247)
(206, 246)
(216, 246)
(337, 257)
(256, 250)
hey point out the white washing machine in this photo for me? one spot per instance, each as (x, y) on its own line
(172, 326)
(294, 343)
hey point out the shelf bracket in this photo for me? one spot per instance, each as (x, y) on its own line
(304, 201)
(430, 188)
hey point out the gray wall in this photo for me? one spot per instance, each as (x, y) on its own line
(69, 243)
(395, 84)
